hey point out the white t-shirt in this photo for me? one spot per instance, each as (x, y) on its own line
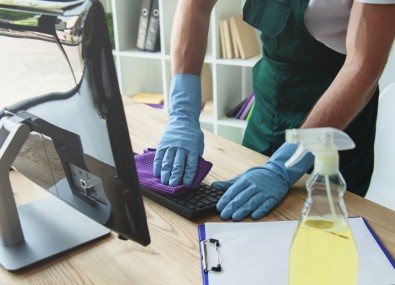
(327, 20)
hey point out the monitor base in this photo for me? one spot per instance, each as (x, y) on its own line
(50, 227)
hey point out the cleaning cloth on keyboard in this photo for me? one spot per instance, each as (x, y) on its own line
(145, 163)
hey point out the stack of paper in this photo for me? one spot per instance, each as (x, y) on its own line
(152, 99)
(208, 108)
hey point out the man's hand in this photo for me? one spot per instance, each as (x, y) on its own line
(259, 189)
(182, 142)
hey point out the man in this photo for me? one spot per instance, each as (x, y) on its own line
(320, 66)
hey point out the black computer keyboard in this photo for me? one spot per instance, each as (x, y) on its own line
(190, 205)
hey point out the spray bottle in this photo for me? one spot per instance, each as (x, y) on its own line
(323, 250)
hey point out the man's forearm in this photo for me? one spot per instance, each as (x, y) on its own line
(370, 36)
(189, 35)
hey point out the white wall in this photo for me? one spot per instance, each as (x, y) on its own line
(388, 75)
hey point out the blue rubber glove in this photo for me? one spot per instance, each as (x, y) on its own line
(176, 157)
(259, 189)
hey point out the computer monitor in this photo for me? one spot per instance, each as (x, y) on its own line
(63, 126)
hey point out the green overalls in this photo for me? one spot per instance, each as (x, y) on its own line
(294, 72)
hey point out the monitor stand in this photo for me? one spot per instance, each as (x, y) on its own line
(36, 231)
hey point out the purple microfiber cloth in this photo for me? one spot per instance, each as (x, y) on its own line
(145, 165)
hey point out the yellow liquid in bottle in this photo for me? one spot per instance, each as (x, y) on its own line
(323, 252)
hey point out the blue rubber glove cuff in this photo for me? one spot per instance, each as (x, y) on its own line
(185, 98)
(277, 161)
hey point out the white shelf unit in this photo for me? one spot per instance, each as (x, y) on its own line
(140, 71)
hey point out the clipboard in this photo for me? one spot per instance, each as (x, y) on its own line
(256, 252)
(203, 253)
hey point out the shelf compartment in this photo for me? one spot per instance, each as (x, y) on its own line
(139, 54)
(232, 122)
(232, 85)
(231, 133)
(140, 75)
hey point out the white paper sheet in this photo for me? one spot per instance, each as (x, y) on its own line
(257, 253)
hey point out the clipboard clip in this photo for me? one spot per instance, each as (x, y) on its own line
(203, 245)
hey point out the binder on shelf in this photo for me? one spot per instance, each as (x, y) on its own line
(257, 253)
(152, 41)
(244, 106)
(222, 37)
(245, 37)
(233, 112)
(250, 112)
(233, 31)
(247, 108)
(228, 40)
(143, 24)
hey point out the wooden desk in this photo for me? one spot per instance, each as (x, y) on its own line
(173, 255)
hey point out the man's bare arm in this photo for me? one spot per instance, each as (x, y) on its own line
(370, 35)
(189, 35)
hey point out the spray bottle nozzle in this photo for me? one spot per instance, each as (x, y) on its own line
(324, 143)
(299, 153)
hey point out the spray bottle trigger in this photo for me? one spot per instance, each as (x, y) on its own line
(299, 153)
